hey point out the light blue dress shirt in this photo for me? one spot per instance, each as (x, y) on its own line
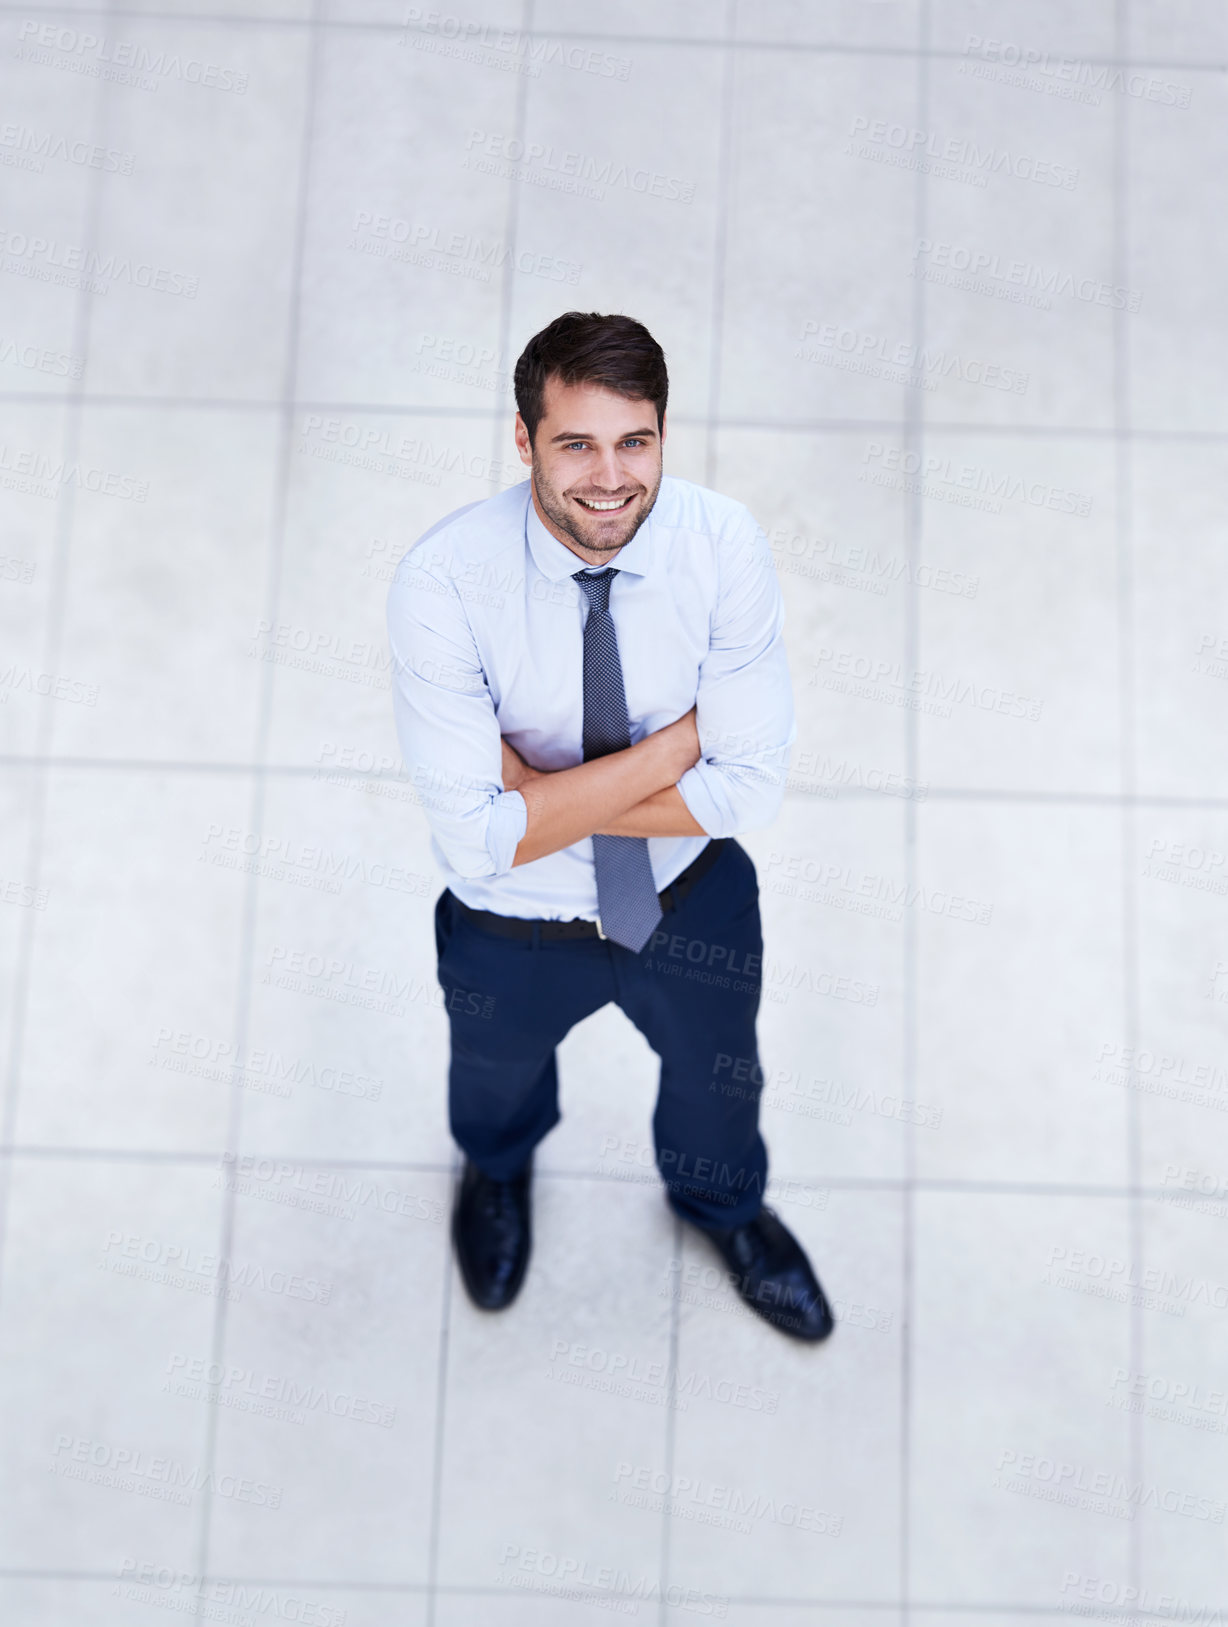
(486, 629)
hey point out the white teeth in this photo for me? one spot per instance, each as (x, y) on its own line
(601, 507)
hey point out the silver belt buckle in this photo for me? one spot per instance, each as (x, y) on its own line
(600, 933)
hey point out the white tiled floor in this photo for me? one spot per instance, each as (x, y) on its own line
(237, 1372)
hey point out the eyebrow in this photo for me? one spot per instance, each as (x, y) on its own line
(584, 435)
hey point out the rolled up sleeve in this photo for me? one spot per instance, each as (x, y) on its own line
(744, 704)
(447, 727)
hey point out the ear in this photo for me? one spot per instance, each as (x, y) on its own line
(523, 445)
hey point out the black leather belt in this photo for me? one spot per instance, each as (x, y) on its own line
(515, 926)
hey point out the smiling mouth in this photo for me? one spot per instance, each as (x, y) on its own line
(603, 505)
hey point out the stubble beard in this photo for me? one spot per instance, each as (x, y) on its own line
(603, 543)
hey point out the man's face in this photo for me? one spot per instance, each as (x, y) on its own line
(593, 448)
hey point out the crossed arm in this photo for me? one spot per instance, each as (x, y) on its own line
(629, 793)
(489, 810)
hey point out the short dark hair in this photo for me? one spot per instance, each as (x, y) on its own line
(582, 347)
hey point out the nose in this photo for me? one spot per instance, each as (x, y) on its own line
(605, 474)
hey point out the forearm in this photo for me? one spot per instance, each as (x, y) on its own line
(572, 803)
(664, 813)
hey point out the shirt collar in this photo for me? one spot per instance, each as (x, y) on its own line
(555, 561)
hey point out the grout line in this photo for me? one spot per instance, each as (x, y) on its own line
(852, 793)
(1091, 799)
(401, 409)
(431, 1588)
(680, 41)
(724, 193)
(951, 1185)
(724, 190)
(1123, 524)
(914, 440)
(499, 431)
(462, 1592)
(173, 1156)
(983, 1607)
(670, 1424)
(768, 426)
(53, 628)
(723, 185)
(507, 292)
(245, 984)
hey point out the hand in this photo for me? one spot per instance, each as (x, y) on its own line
(515, 770)
(680, 740)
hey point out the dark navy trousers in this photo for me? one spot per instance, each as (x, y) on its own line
(692, 991)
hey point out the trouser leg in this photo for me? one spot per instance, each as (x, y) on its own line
(693, 993)
(509, 1003)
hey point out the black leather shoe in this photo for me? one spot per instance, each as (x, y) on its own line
(769, 1268)
(492, 1231)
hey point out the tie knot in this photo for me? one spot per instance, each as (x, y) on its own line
(596, 586)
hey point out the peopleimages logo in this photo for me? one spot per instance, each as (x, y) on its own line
(1173, 1400)
(693, 1497)
(45, 259)
(1023, 281)
(1107, 1600)
(124, 61)
(927, 149)
(920, 364)
(146, 1581)
(574, 1577)
(589, 173)
(505, 48)
(463, 254)
(1104, 1491)
(28, 148)
(1107, 1276)
(132, 1469)
(247, 1390)
(1070, 77)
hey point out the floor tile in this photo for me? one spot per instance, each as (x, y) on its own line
(330, 1384)
(143, 949)
(1050, 26)
(785, 1477)
(639, 231)
(398, 257)
(197, 300)
(838, 541)
(168, 635)
(105, 1266)
(1016, 255)
(1171, 1064)
(835, 1100)
(1019, 986)
(1019, 689)
(347, 1043)
(800, 162)
(1179, 631)
(590, 1376)
(1174, 383)
(1015, 1482)
(39, 677)
(1176, 1386)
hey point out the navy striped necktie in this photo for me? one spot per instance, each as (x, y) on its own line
(627, 898)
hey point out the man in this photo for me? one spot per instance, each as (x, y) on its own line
(590, 681)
